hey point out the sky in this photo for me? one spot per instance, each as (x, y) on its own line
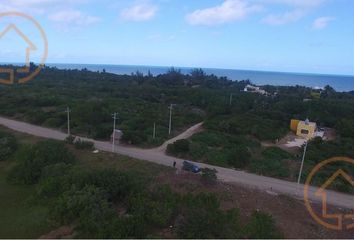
(312, 36)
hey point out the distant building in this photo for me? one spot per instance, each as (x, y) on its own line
(255, 89)
(118, 134)
(305, 129)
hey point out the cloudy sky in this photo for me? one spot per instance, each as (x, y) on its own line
(314, 36)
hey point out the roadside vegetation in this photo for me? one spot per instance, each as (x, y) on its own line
(237, 133)
(54, 184)
(142, 100)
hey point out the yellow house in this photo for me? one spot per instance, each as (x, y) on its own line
(306, 129)
(294, 125)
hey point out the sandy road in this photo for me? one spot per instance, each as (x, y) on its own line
(224, 174)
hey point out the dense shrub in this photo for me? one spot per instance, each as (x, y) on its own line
(248, 124)
(89, 208)
(33, 159)
(179, 147)
(240, 157)
(274, 163)
(8, 145)
(262, 226)
(157, 208)
(202, 218)
(53, 180)
(276, 153)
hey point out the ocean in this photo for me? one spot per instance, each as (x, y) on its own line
(338, 82)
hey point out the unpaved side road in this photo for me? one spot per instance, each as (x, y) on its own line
(185, 135)
(224, 174)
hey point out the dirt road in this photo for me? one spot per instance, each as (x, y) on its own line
(185, 135)
(224, 174)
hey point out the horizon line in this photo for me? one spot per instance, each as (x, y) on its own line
(193, 67)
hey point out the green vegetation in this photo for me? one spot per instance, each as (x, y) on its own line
(319, 150)
(8, 145)
(104, 202)
(235, 134)
(33, 159)
(261, 226)
(273, 163)
(179, 148)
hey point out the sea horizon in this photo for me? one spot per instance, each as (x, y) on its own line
(340, 82)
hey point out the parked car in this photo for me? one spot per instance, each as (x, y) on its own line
(190, 167)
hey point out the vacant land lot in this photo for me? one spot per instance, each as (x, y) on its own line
(24, 216)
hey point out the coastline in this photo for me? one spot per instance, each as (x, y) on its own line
(342, 83)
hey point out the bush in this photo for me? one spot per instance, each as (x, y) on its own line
(8, 145)
(262, 226)
(157, 208)
(270, 167)
(210, 138)
(240, 157)
(273, 164)
(33, 159)
(209, 176)
(202, 218)
(83, 145)
(178, 147)
(87, 207)
(53, 180)
(276, 153)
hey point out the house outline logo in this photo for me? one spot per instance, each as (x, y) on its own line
(28, 75)
(322, 193)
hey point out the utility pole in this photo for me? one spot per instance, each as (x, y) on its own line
(68, 116)
(302, 163)
(115, 117)
(231, 96)
(154, 132)
(170, 123)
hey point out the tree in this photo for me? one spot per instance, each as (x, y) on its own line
(198, 76)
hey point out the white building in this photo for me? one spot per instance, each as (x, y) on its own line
(118, 134)
(255, 89)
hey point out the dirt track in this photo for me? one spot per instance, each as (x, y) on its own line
(224, 174)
